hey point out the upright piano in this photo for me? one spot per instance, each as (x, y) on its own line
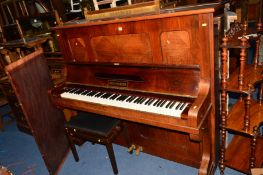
(155, 72)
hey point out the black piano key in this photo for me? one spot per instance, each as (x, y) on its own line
(146, 103)
(67, 89)
(183, 106)
(85, 92)
(104, 95)
(151, 102)
(99, 94)
(133, 99)
(79, 91)
(115, 96)
(128, 99)
(124, 98)
(112, 96)
(139, 101)
(119, 97)
(164, 101)
(88, 94)
(178, 106)
(156, 102)
(168, 105)
(159, 103)
(92, 93)
(173, 103)
(143, 100)
(107, 95)
(72, 90)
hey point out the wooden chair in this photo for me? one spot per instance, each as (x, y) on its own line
(96, 129)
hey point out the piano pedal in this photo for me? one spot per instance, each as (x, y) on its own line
(131, 148)
(138, 150)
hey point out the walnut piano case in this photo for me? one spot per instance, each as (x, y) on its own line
(168, 57)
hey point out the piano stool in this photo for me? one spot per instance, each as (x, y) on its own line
(96, 129)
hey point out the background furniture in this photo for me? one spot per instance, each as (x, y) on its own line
(245, 115)
(11, 98)
(3, 103)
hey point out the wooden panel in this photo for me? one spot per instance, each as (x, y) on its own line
(189, 35)
(168, 147)
(131, 48)
(157, 79)
(176, 47)
(31, 80)
(78, 49)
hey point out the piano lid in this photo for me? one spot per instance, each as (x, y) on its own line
(182, 8)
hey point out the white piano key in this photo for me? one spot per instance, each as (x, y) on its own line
(125, 104)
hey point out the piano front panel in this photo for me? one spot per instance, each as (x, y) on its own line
(78, 48)
(171, 40)
(133, 48)
(176, 47)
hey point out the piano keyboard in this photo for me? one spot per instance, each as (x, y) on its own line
(144, 104)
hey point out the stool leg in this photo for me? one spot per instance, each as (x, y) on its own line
(112, 157)
(1, 123)
(72, 146)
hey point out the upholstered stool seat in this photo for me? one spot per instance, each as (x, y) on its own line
(94, 128)
(94, 123)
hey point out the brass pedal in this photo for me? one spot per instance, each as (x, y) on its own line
(131, 148)
(138, 150)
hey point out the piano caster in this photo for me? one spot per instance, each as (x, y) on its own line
(131, 148)
(138, 150)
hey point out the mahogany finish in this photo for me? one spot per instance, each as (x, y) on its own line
(31, 80)
(167, 55)
(245, 117)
